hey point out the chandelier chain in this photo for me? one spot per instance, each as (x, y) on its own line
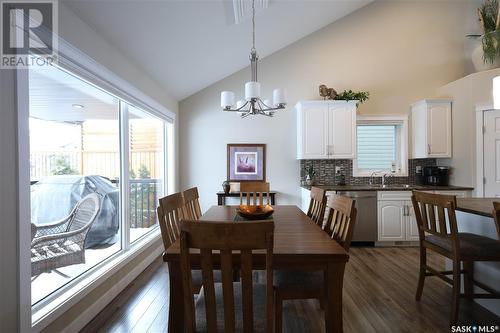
(253, 25)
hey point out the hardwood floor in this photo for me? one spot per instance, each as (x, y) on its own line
(379, 296)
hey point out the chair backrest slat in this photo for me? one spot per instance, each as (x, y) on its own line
(317, 205)
(444, 224)
(226, 237)
(341, 219)
(255, 191)
(226, 261)
(208, 283)
(172, 207)
(192, 203)
(496, 215)
(247, 289)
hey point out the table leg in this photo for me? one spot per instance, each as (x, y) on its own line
(272, 199)
(334, 284)
(176, 301)
(219, 200)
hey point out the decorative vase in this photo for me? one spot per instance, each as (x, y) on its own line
(478, 61)
(309, 180)
(226, 188)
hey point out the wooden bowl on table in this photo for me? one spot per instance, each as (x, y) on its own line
(255, 212)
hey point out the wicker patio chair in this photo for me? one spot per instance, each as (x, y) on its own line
(62, 243)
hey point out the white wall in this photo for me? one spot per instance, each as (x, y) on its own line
(400, 51)
(467, 93)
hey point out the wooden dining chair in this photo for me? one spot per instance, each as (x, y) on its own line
(228, 306)
(192, 203)
(255, 190)
(341, 219)
(172, 211)
(290, 284)
(317, 205)
(438, 232)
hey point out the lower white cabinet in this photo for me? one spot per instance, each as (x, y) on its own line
(391, 221)
(396, 219)
(411, 223)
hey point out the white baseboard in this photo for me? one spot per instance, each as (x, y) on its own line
(86, 316)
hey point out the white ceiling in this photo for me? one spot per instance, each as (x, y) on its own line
(188, 45)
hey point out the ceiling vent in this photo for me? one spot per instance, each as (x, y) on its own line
(242, 9)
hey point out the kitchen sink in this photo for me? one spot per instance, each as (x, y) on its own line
(391, 186)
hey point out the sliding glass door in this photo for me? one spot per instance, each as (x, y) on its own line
(147, 171)
(77, 153)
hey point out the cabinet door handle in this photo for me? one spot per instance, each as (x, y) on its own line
(428, 149)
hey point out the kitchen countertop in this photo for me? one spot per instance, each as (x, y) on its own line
(394, 187)
(478, 206)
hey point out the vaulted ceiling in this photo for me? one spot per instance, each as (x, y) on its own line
(188, 45)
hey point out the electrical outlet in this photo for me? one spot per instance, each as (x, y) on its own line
(418, 169)
(338, 169)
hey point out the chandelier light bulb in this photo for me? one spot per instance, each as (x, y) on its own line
(227, 99)
(279, 97)
(252, 90)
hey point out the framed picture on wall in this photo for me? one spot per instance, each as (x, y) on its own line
(246, 162)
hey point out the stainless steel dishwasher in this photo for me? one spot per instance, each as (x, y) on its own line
(365, 229)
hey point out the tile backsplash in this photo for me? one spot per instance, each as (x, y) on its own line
(325, 172)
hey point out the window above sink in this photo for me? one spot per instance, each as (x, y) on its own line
(382, 146)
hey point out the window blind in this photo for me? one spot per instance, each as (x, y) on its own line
(376, 146)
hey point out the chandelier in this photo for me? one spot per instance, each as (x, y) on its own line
(253, 104)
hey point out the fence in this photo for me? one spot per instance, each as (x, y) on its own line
(107, 164)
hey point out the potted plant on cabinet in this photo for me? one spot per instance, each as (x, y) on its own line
(309, 173)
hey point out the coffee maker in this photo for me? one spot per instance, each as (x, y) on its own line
(435, 175)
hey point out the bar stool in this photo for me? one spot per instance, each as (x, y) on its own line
(437, 229)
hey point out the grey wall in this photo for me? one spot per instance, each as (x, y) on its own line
(400, 51)
(9, 302)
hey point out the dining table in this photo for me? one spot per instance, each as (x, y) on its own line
(299, 244)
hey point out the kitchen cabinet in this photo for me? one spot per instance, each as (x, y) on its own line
(326, 129)
(391, 221)
(396, 219)
(431, 128)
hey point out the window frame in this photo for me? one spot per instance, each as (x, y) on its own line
(401, 121)
(85, 68)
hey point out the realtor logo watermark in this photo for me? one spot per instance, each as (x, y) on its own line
(29, 31)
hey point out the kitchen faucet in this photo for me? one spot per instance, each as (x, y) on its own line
(374, 173)
(384, 178)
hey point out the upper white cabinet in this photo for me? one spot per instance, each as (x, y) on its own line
(431, 128)
(326, 129)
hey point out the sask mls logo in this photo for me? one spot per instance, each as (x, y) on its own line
(29, 33)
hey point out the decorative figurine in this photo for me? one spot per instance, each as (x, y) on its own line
(327, 93)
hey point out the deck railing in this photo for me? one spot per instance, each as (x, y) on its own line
(143, 202)
(143, 199)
